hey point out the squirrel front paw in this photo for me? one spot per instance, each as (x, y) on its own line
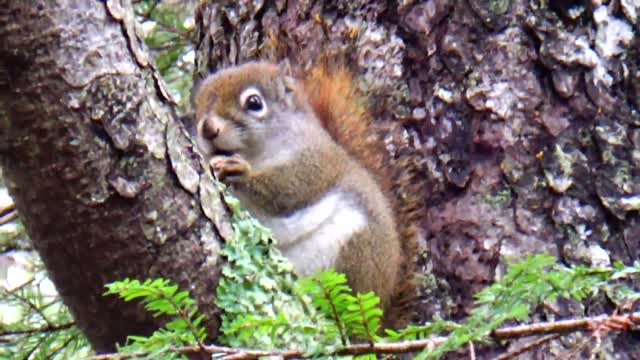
(230, 169)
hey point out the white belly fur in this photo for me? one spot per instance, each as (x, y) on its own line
(311, 237)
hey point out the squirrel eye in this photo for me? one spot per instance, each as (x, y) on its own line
(252, 101)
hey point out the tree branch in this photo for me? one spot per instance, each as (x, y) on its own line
(521, 350)
(564, 326)
(555, 328)
(44, 329)
(5, 209)
(30, 304)
(8, 217)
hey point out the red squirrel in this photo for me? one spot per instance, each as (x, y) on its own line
(297, 152)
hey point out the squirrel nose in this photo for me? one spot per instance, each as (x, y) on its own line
(210, 131)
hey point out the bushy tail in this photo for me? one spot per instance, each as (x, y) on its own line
(343, 109)
(333, 94)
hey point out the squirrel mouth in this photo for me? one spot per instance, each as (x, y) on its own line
(222, 152)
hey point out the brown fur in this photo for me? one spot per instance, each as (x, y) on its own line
(221, 92)
(378, 258)
(344, 112)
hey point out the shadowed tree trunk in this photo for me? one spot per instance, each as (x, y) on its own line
(102, 173)
(517, 120)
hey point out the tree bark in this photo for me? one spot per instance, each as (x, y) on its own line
(521, 115)
(518, 120)
(101, 170)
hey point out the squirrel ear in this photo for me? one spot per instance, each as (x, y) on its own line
(285, 68)
(286, 74)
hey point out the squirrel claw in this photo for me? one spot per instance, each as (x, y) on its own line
(229, 168)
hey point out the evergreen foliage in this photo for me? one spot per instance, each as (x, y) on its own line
(36, 325)
(529, 283)
(169, 33)
(161, 299)
(353, 316)
(262, 308)
(526, 284)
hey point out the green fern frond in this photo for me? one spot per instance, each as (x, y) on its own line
(354, 316)
(528, 283)
(161, 298)
(331, 294)
(246, 326)
(362, 317)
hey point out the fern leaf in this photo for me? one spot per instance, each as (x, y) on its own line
(363, 316)
(161, 298)
(331, 294)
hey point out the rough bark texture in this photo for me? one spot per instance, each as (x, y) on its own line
(101, 171)
(523, 115)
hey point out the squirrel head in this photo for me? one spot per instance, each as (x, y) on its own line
(248, 110)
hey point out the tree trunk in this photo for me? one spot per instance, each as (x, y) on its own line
(100, 168)
(523, 115)
(518, 120)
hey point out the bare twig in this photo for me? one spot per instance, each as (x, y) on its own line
(8, 217)
(596, 348)
(534, 344)
(19, 287)
(44, 329)
(62, 346)
(30, 304)
(35, 347)
(563, 326)
(552, 308)
(56, 300)
(5, 209)
(571, 354)
(556, 328)
(15, 244)
(233, 353)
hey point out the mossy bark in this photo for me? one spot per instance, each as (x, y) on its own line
(101, 171)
